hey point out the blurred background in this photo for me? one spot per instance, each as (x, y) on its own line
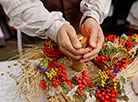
(122, 18)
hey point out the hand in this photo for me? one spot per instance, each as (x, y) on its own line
(92, 29)
(69, 43)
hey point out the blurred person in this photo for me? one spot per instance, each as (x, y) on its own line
(60, 20)
(132, 17)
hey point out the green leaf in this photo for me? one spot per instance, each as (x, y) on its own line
(122, 80)
(92, 90)
(44, 63)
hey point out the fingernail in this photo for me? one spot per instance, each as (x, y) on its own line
(78, 45)
(93, 44)
(85, 56)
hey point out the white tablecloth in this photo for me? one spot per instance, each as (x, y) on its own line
(7, 84)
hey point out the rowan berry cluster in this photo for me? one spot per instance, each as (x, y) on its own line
(61, 74)
(52, 50)
(43, 84)
(82, 82)
(111, 38)
(107, 95)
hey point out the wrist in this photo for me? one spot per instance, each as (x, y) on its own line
(84, 18)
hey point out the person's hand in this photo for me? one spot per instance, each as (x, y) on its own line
(69, 43)
(92, 29)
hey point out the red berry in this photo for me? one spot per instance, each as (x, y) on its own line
(83, 86)
(42, 85)
(80, 94)
(85, 78)
(87, 75)
(113, 92)
(80, 85)
(98, 92)
(108, 90)
(116, 94)
(80, 89)
(103, 98)
(44, 88)
(103, 93)
(79, 81)
(116, 91)
(107, 97)
(80, 77)
(84, 72)
(99, 95)
(112, 95)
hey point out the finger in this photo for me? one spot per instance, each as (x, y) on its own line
(77, 51)
(69, 54)
(73, 37)
(101, 36)
(98, 47)
(85, 31)
(88, 59)
(93, 37)
(68, 45)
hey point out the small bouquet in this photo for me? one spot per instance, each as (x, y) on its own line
(52, 74)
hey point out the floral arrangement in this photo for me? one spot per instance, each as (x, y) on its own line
(52, 78)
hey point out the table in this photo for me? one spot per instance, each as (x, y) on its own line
(8, 86)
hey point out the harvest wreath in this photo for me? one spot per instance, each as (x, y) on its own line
(54, 75)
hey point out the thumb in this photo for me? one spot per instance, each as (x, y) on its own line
(93, 38)
(74, 39)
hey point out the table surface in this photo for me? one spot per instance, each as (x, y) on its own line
(8, 86)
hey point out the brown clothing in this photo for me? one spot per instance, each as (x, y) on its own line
(69, 8)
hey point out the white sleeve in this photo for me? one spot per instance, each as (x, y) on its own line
(32, 18)
(98, 9)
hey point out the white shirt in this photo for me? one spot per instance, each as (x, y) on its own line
(32, 18)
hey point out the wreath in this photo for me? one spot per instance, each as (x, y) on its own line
(101, 80)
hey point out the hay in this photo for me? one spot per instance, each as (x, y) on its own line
(91, 68)
(130, 71)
